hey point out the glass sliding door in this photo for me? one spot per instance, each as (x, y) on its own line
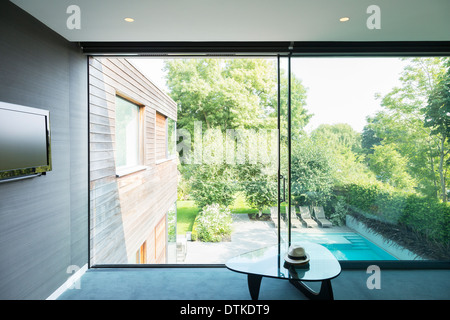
(370, 156)
(228, 110)
(203, 187)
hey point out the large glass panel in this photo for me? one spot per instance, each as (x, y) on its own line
(133, 182)
(218, 119)
(370, 156)
(357, 148)
(227, 147)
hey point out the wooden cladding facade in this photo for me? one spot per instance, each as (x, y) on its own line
(128, 212)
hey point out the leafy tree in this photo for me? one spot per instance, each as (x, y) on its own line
(343, 144)
(259, 185)
(211, 184)
(369, 138)
(402, 121)
(299, 114)
(390, 166)
(411, 142)
(231, 94)
(339, 136)
(311, 172)
(223, 94)
(437, 118)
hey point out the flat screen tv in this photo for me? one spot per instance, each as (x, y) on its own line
(25, 145)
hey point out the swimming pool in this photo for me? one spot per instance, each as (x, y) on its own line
(345, 246)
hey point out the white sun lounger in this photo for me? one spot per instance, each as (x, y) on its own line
(295, 221)
(274, 216)
(306, 218)
(320, 216)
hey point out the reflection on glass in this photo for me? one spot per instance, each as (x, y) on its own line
(23, 140)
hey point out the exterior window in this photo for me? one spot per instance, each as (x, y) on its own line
(127, 133)
(165, 137)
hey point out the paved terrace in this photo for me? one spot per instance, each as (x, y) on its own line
(247, 235)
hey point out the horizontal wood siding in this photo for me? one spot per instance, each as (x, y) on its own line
(160, 241)
(127, 211)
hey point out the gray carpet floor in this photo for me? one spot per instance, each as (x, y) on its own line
(223, 284)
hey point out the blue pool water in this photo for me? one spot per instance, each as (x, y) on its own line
(345, 246)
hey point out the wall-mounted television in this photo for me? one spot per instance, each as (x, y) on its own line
(25, 145)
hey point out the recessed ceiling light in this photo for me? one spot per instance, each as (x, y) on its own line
(129, 19)
(344, 19)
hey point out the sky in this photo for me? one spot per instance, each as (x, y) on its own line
(342, 90)
(339, 90)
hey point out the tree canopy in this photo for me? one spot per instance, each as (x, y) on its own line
(230, 93)
(404, 145)
(413, 122)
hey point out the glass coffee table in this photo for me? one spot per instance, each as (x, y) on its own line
(269, 262)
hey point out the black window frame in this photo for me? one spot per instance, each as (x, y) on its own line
(276, 49)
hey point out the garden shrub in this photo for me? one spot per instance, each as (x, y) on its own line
(429, 217)
(339, 211)
(212, 184)
(213, 223)
(260, 194)
(425, 215)
(377, 199)
(311, 173)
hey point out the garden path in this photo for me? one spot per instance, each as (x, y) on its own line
(247, 235)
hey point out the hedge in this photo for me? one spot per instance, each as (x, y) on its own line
(428, 216)
(425, 215)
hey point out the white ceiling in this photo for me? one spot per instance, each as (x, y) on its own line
(244, 20)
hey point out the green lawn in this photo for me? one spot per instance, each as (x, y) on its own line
(240, 206)
(186, 213)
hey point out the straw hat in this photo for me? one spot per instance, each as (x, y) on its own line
(296, 255)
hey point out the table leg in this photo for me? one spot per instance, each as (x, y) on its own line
(325, 293)
(254, 283)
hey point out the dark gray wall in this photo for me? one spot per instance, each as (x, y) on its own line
(44, 220)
